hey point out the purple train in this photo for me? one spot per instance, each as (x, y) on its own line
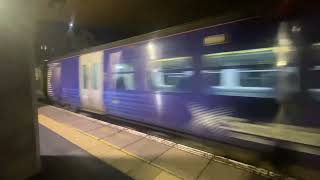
(238, 82)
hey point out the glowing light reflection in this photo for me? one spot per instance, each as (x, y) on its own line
(152, 50)
(158, 102)
(281, 63)
(285, 46)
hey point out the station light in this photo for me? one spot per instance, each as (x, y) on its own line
(71, 24)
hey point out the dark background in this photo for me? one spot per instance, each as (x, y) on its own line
(98, 22)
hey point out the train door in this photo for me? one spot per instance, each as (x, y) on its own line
(91, 81)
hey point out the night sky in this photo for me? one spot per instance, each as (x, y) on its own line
(132, 17)
(111, 20)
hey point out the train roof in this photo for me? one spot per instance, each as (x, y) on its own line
(170, 31)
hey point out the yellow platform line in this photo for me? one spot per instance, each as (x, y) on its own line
(103, 150)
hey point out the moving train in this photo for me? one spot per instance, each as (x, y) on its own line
(233, 81)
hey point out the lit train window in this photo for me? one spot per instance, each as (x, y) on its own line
(240, 73)
(171, 75)
(85, 76)
(313, 78)
(123, 77)
(257, 78)
(95, 70)
(212, 77)
(314, 82)
(251, 57)
(315, 74)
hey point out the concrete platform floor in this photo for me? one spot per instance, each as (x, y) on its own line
(133, 154)
(63, 160)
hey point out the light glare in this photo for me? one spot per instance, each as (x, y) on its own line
(282, 63)
(152, 50)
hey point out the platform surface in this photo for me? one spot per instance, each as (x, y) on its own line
(63, 160)
(127, 153)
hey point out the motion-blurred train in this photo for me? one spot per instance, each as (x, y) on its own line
(249, 82)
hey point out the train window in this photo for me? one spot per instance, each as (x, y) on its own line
(257, 78)
(314, 88)
(314, 77)
(212, 77)
(171, 75)
(123, 77)
(251, 57)
(85, 76)
(240, 73)
(95, 71)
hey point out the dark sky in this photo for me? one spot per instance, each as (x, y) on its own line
(133, 17)
(110, 20)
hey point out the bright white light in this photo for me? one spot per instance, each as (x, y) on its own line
(152, 50)
(41, 47)
(188, 73)
(45, 60)
(45, 47)
(316, 44)
(118, 67)
(71, 25)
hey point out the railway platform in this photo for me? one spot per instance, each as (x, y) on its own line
(125, 153)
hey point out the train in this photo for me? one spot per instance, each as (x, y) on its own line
(248, 81)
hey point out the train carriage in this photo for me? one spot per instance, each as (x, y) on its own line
(199, 79)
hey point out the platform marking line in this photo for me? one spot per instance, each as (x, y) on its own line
(75, 136)
(131, 131)
(191, 150)
(154, 138)
(198, 152)
(202, 171)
